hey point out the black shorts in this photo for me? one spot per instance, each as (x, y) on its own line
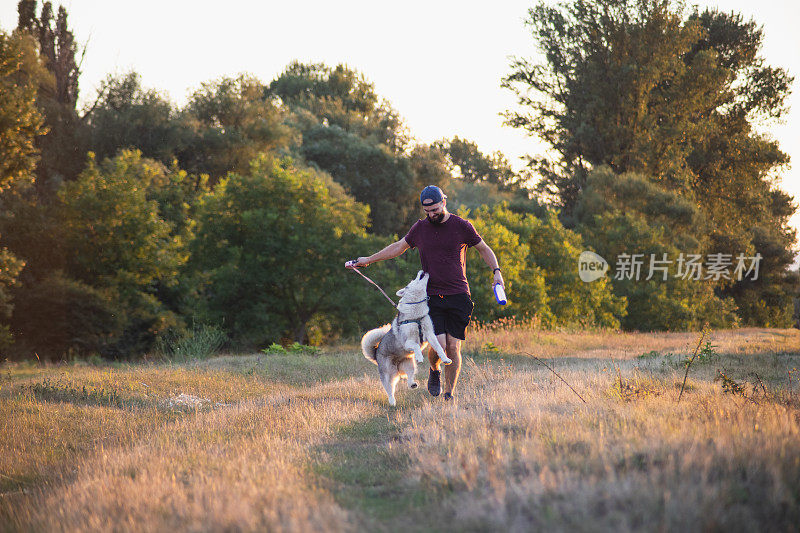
(450, 314)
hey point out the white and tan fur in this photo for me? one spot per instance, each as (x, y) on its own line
(393, 346)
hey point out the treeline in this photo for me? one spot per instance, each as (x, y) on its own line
(134, 219)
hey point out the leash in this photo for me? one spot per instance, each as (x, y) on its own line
(418, 321)
(356, 270)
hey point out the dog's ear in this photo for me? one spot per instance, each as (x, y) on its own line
(401, 292)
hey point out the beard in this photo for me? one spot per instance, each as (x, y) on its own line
(436, 219)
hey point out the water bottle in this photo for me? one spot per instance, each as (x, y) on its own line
(499, 294)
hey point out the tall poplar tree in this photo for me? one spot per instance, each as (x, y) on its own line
(63, 148)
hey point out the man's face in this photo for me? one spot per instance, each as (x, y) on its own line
(435, 212)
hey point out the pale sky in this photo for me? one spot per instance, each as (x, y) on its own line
(438, 62)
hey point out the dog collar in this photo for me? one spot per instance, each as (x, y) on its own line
(412, 303)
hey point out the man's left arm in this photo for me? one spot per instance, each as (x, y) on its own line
(488, 256)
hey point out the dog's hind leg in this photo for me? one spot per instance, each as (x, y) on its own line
(410, 370)
(389, 380)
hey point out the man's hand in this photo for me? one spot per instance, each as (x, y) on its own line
(498, 279)
(356, 263)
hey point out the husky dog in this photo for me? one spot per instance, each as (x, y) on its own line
(393, 346)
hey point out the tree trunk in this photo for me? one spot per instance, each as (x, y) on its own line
(300, 333)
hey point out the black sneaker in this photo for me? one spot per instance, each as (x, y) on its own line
(448, 396)
(434, 384)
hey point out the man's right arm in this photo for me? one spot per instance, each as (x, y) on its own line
(390, 252)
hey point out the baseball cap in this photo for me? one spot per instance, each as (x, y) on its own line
(431, 195)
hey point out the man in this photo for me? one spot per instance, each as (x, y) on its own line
(442, 239)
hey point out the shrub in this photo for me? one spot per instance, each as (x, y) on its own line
(200, 342)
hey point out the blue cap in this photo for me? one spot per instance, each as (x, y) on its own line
(431, 195)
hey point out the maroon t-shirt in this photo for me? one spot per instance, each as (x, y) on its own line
(443, 252)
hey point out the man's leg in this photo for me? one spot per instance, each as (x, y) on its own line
(434, 379)
(451, 371)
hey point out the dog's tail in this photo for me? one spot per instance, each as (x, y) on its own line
(370, 340)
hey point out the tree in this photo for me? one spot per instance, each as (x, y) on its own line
(485, 179)
(114, 230)
(430, 166)
(639, 87)
(10, 268)
(59, 315)
(126, 115)
(230, 124)
(359, 140)
(477, 167)
(63, 148)
(20, 120)
(20, 125)
(474, 194)
(635, 86)
(736, 168)
(525, 284)
(112, 251)
(269, 252)
(369, 172)
(338, 97)
(626, 215)
(545, 283)
(614, 91)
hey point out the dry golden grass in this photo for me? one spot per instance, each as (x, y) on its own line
(631, 458)
(238, 461)
(301, 442)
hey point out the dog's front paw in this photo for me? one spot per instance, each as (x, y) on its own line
(413, 385)
(420, 358)
(446, 360)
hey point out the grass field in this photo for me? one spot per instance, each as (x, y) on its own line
(308, 442)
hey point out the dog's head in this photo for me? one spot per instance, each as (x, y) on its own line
(416, 290)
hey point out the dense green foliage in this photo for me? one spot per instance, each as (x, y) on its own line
(539, 258)
(341, 97)
(263, 256)
(126, 115)
(20, 119)
(10, 268)
(638, 86)
(370, 173)
(486, 179)
(347, 132)
(621, 213)
(110, 252)
(138, 223)
(20, 124)
(230, 123)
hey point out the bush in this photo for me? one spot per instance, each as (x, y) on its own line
(59, 315)
(201, 342)
(295, 347)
